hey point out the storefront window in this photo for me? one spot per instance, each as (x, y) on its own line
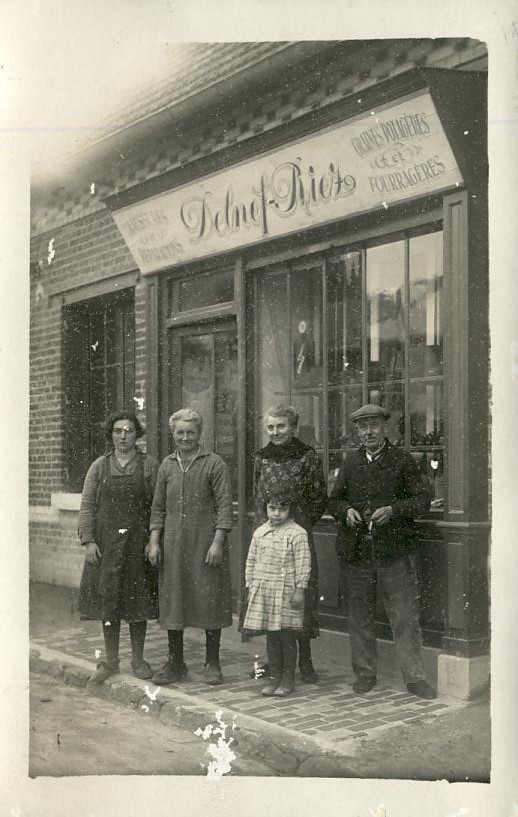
(355, 326)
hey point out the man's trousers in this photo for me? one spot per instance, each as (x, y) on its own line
(396, 581)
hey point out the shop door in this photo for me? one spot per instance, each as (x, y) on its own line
(203, 376)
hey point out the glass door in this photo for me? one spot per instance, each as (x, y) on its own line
(202, 372)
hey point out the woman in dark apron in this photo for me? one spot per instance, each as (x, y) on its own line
(118, 582)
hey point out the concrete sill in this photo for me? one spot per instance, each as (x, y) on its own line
(65, 502)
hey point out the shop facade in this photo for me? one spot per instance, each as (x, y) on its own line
(335, 258)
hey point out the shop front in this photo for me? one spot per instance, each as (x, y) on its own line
(340, 262)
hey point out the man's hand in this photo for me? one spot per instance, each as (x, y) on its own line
(353, 518)
(297, 600)
(214, 554)
(382, 515)
(93, 554)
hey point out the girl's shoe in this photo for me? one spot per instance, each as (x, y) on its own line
(142, 670)
(287, 685)
(270, 687)
(103, 672)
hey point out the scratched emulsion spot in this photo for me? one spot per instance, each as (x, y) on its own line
(92, 189)
(51, 251)
(220, 751)
(97, 654)
(380, 811)
(141, 402)
(123, 530)
(258, 668)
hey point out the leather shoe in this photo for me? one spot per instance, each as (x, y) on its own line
(270, 687)
(142, 670)
(169, 674)
(103, 672)
(286, 686)
(308, 674)
(213, 674)
(362, 685)
(422, 690)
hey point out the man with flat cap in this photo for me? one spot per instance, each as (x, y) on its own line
(377, 493)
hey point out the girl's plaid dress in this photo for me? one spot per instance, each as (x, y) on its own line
(278, 562)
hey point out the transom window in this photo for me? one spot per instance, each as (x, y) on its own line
(357, 325)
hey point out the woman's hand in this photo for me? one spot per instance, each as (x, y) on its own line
(297, 600)
(152, 551)
(93, 554)
(214, 555)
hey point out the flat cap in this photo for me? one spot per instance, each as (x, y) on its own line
(370, 410)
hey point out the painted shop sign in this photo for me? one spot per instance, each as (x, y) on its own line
(391, 155)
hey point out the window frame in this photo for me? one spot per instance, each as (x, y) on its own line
(80, 448)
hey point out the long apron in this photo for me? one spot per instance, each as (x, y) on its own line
(123, 584)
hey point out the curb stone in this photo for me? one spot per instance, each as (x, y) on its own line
(283, 750)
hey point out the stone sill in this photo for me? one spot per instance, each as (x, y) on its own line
(65, 502)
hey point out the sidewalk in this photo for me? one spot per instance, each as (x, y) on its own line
(313, 732)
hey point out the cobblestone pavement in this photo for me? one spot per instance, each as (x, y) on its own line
(329, 710)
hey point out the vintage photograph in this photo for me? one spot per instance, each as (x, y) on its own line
(260, 421)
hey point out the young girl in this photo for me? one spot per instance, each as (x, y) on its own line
(277, 573)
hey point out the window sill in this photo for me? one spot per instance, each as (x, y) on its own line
(65, 502)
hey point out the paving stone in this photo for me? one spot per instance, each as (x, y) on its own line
(333, 727)
(399, 716)
(306, 722)
(357, 727)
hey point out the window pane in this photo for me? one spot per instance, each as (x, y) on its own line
(426, 420)
(215, 287)
(96, 319)
(273, 344)
(225, 422)
(392, 397)
(386, 322)
(306, 327)
(311, 418)
(344, 319)
(100, 378)
(342, 432)
(425, 348)
(198, 382)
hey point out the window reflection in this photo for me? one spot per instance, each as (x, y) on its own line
(425, 350)
(386, 322)
(344, 319)
(273, 342)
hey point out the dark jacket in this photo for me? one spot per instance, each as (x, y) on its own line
(392, 479)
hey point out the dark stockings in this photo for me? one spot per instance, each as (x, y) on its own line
(304, 652)
(175, 638)
(137, 637)
(212, 641)
(111, 631)
(281, 647)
